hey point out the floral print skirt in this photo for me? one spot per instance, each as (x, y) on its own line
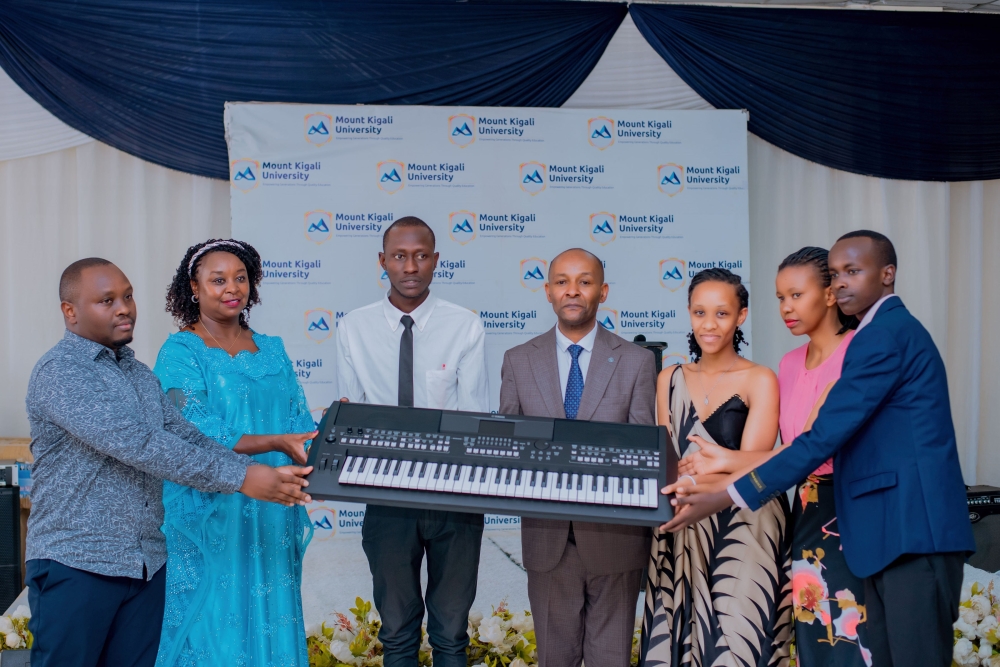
(828, 600)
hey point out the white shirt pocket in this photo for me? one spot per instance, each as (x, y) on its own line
(442, 389)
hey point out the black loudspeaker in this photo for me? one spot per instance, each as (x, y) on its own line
(10, 545)
(984, 513)
(657, 348)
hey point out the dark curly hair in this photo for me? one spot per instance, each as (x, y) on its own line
(179, 302)
(818, 259)
(716, 275)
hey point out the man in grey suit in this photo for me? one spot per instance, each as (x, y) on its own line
(583, 578)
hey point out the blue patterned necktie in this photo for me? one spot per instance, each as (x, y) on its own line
(574, 385)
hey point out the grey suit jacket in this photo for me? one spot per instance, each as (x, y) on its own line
(620, 387)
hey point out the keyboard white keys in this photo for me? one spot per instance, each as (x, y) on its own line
(649, 493)
(396, 474)
(404, 473)
(491, 481)
(424, 477)
(616, 491)
(507, 483)
(633, 493)
(454, 484)
(478, 481)
(536, 484)
(384, 476)
(574, 488)
(464, 484)
(562, 487)
(359, 463)
(589, 489)
(521, 484)
(370, 472)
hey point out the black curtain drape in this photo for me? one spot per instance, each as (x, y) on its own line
(150, 77)
(907, 95)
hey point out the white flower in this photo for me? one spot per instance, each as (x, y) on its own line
(987, 624)
(342, 652)
(963, 649)
(517, 662)
(21, 612)
(13, 640)
(523, 622)
(968, 630)
(374, 616)
(5, 625)
(985, 650)
(491, 631)
(969, 615)
(982, 605)
(342, 634)
(314, 630)
(475, 617)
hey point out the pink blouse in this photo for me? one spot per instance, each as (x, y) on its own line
(799, 388)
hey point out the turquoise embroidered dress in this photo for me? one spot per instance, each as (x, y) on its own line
(234, 564)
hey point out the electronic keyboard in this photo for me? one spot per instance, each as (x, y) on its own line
(493, 464)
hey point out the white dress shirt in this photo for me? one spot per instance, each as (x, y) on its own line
(449, 356)
(865, 321)
(566, 359)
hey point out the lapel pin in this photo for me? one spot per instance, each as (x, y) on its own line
(611, 359)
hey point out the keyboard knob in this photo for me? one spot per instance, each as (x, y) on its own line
(331, 438)
(541, 444)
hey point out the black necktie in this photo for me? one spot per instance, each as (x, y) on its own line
(406, 363)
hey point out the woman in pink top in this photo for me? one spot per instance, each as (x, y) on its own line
(827, 599)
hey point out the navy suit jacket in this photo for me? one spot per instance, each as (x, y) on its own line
(887, 423)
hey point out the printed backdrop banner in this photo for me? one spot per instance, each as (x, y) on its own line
(657, 195)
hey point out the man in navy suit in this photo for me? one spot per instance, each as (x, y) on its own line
(901, 505)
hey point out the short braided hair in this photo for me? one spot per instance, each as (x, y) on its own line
(717, 275)
(179, 304)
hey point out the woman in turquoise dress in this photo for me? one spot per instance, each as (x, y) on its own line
(234, 564)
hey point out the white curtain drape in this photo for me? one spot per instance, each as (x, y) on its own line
(27, 129)
(87, 201)
(94, 200)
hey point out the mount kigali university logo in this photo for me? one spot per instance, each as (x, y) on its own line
(533, 177)
(243, 174)
(462, 130)
(602, 227)
(317, 128)
(601, 132)
(324, 522)
(533, 272)
(317, 226)
(670, 177)
(462, 226)
(608, 318)
(319, 324)
(391, 176)
(672, 272)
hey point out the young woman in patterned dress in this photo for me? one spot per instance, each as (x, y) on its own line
(718, 593)
(828, 600)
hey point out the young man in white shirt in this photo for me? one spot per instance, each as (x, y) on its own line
(414, 349)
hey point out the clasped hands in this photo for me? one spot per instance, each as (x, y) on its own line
(695, 500)
(282, 485)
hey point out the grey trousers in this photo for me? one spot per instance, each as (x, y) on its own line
(911, 606)
(583, 617)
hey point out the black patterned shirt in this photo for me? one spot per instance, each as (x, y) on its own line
(104, 437)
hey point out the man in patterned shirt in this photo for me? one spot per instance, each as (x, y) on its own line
(104, 437)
